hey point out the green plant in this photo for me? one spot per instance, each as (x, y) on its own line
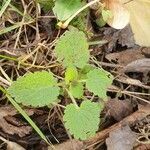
(42, 89)
(67, 10)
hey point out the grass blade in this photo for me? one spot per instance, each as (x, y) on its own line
(24, 114)
(4, 7)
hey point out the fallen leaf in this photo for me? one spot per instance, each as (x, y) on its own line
(120, 14)
(139, 20)
(69, 145)
(142, 147)
(121, 139)
(131, 81)
(125, 57)
(139, 65)
(8, 128)
(119, 109)
(114, 37)
(146, 51)
(122, 9)
(12, 145)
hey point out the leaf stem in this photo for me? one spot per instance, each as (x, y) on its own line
(72, 98)
(66, 23)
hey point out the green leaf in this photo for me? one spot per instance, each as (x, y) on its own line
(46, 4)
(83, 72)
(80, 21)
(72, 49)
(98, 80)
(100, 22)
(71, 74)
(84, 121)
(106, 14)
(35, 89)
(63, 9)
(76, 90)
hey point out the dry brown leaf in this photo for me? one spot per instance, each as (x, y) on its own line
(119, 109)
(125, 57)
(69, 145)
(12, 145)
(139, 65)
(121, 139)
(142, 147)
(114, 37)
(131, 81)
(9, 128)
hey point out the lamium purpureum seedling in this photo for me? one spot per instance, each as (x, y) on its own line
(42, 88)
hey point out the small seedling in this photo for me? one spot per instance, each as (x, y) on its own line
(42, 88)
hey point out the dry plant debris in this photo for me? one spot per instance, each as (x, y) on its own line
(9, 128)
(122, 138)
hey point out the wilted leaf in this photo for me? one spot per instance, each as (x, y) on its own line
(69, 145)
(120, 16)
(9, 128)
(122, 37)
(121, 139)
(119, 109)
(139, 65)
(140, 20)
(125, 57)
(12, 145)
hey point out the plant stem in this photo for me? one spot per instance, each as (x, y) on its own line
(72, 98)
(4, 7)
(66, 23)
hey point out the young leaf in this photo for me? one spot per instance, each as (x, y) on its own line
(35, 89)
(77, 90)
(106, 14)
(82, 122)
(98, 81)
(83, 72)
(72, 49)
(63, 9)
(71, 74)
